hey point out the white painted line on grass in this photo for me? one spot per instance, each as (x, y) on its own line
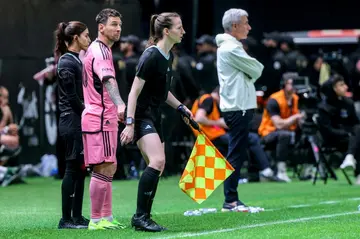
(296, 220)
(354, 199)
(329, 202)
(300, 206)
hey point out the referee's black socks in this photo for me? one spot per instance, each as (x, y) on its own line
(72, 190)
(79, 193)
(147, 189)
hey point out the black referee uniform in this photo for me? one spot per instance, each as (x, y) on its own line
(155, 68)
(71, 106)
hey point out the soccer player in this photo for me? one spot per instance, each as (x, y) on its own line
(71, 38)
(103, 108)
(149, 89)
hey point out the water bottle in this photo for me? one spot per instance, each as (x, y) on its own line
(243, 180)
(207, 210)
(359, 207)
(192, 213)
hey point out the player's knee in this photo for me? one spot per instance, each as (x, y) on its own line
(112, 169)
(157, 162)
(106, 169)
(285, 135)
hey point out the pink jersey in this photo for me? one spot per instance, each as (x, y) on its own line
(100, 113)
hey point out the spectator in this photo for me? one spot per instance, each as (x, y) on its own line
(129, 47)
(206, 63)
(355, 77)
(207, 113)
(7, 114)
(279, 123)
(9, 138)
(338, 122)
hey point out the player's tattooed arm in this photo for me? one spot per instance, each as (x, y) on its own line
(113, 90)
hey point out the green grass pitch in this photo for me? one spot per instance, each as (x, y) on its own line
(293, 210)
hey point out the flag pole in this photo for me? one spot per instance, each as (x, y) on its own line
(192, 122)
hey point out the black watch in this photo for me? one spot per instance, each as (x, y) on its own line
(129, 121)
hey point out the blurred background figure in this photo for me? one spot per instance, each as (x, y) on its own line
(206, 72)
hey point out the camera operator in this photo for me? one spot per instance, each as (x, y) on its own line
(338, 122)
(279, 122)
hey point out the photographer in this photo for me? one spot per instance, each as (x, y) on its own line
(338, 122)
(279, 122)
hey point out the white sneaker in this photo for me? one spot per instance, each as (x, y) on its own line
(281, 172)
(283, 176)
(357, 180)
(349, 161)
(267, 173)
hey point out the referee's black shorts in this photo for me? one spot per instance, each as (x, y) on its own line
(148, 123)
(70, 131)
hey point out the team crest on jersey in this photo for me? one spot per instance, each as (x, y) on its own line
(121, 64)
(64, 73)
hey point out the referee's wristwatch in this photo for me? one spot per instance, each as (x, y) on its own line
(129, 121)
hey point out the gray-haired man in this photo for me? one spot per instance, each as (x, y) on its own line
(237, 72)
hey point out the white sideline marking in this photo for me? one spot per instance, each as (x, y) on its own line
(296, 220)
(300, 206)
(329, 202)
(354, 199)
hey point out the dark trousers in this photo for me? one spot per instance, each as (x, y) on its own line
(238, 123)
(222, 143)
(282, 140)
(257, 151)
(350, 145)
(254, 147)
(354, 142)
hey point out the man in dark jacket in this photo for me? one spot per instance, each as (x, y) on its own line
(338, 122)
(206, 71)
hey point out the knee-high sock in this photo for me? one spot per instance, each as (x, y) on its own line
(79, 192)
(98, 189)
(107, 207)
(147, 183)
(152, 197)
(67, 189)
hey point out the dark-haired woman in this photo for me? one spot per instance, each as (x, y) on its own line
(71, 38)
(149, 89)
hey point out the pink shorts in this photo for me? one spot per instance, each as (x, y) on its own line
(100, 147)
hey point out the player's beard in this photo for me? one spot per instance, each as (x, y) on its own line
(115, 38)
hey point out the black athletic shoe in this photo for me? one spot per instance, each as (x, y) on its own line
(149, 217)
(67, 224)
(145, 223)
(81, 222)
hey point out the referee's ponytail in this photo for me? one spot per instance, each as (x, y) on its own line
(157, 25)
(64, 35)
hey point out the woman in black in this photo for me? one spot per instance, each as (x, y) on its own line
(71, 38)
(149, 89)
